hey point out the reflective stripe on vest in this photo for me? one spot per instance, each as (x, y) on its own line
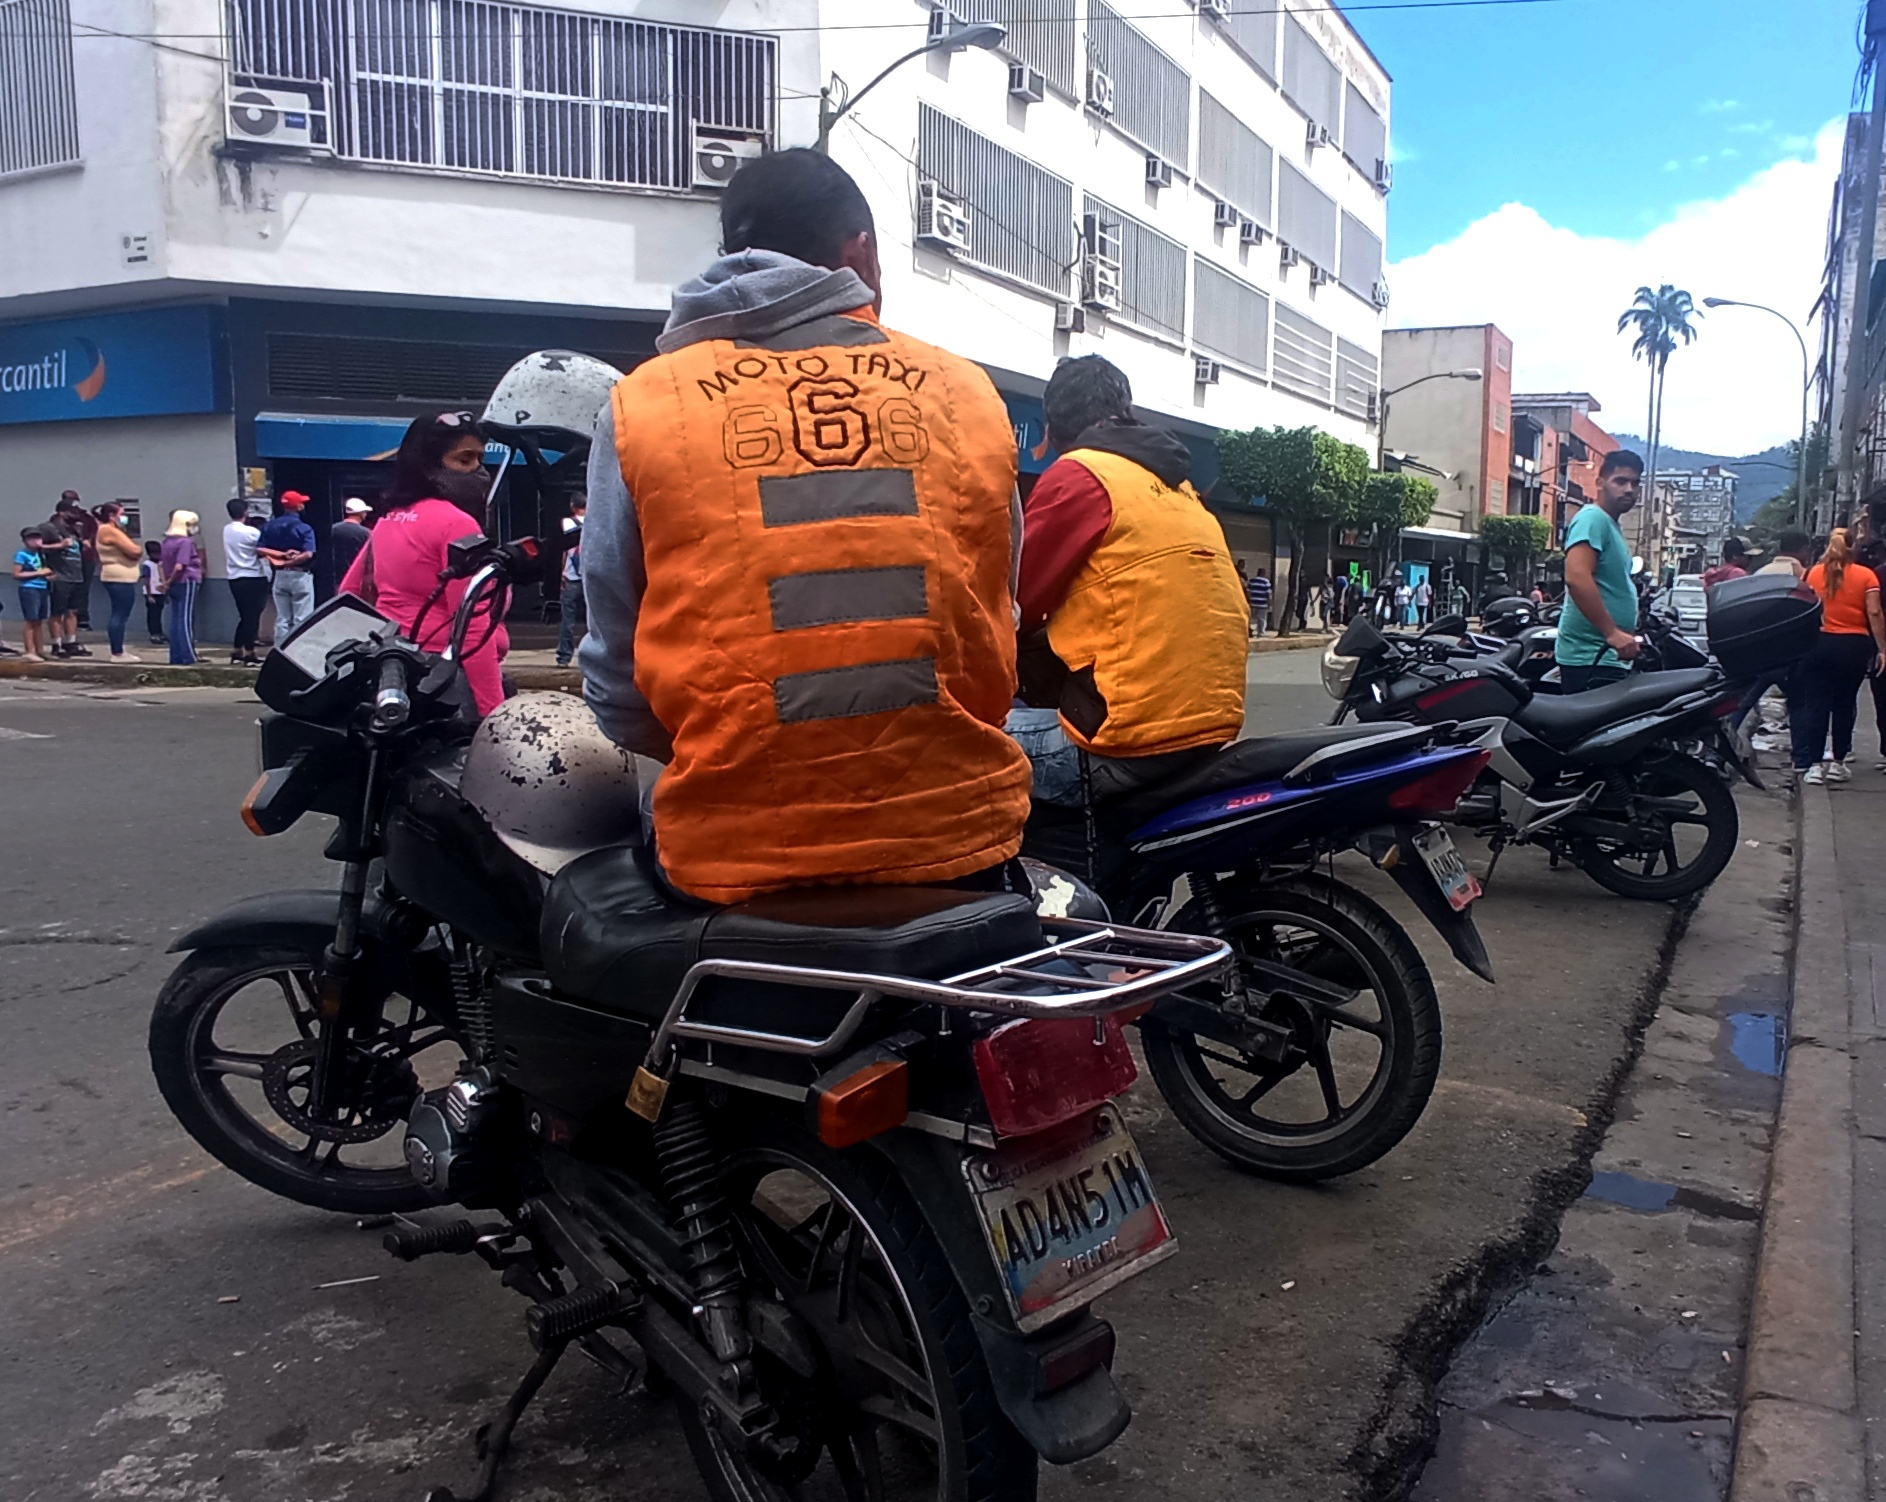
(827, 629)
(1154, 628)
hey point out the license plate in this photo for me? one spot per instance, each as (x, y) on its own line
(1444, 864)
(1067, 1215)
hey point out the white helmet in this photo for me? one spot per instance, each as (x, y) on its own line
(549, 782)
(552, 396)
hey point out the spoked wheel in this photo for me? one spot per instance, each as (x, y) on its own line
(233, 1045)
(899, 1405)
(1365, 1036)
(1683, 829)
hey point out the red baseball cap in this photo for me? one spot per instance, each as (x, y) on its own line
(294, 500)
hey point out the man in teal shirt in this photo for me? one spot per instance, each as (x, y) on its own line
(1598, 624)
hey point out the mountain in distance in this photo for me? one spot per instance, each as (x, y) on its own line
(1760, 477)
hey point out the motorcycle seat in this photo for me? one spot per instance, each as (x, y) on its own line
(1560, 719)
(613, 934)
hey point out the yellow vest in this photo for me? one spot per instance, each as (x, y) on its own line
(1158, 618)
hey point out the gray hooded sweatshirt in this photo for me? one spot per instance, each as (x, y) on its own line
(753, 295)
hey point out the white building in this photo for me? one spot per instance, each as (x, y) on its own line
(243, 241)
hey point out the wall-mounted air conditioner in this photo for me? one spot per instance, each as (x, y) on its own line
(1378, 294)
(1205, 372)
(1099, 92)
(1319, 277)
(1026, 84)
(1315, 135)
(1100, 284)
(943, 21)
(718, 154)
(1226, 215)
(1069, 318)
(1250, 232)
(1384, 175)
(1158, 172)
(942, 218)
(1215, 10)
(277, 117)
(1288, 256)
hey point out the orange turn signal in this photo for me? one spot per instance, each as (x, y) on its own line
(248, 807)
(861, 1105)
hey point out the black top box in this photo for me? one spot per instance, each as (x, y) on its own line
(1762, 623)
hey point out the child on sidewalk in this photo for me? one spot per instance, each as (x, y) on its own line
(151, 577)
(29, 567)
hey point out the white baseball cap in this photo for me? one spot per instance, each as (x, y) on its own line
(356, 507)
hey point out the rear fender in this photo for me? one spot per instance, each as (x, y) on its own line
(1417, 883)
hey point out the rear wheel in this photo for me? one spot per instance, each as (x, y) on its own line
(1361, 1062)
(1683, 828)
(902, 1406)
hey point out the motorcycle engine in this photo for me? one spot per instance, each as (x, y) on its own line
(450, 1145)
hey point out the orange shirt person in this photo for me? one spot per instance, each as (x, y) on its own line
(1824, 691)
(798, 565)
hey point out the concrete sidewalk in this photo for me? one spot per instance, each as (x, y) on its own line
(1813, 1421)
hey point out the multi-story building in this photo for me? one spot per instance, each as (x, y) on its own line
(1557, 449)
(1453, 422)
(1705, 505)
(243, 241)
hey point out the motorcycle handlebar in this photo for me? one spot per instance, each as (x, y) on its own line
(391, 705)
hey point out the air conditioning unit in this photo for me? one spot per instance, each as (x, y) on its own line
(276, 117)
(943, 21)
(1226, 215)
(1100, 237)
(1378, 294)
(942, 218)
(1205, 372)
(1319, 277)
(1215, 10)
(1100, 283)
(718, 154)
(1158, 172)
(1288, 256)
(1069, 318)
(1315, 135)
(1099, 92)
(1250, 232)
(1026, 84)
(1384, 175)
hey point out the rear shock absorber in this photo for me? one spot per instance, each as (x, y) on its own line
(468, 998)
(691, 1173)
(1211, 911)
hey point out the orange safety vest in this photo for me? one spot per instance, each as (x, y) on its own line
(827, 630)
(1158, 616)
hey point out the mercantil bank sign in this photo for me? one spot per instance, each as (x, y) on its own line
(151, 363)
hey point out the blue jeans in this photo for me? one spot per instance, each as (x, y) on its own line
(182, 626)
(122, 597)
(294, 600)
(572, 617)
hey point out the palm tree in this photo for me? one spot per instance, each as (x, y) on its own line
(1661, 319)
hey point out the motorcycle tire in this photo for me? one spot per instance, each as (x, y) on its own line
(1359, 941)
(1672, 776)
(182, 1050)
(978, 1455)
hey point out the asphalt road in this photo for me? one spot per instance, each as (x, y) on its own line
(168, 1336)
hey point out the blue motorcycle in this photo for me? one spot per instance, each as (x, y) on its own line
(1319, 1053)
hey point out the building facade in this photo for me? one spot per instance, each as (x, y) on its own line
(1557, 450)
(242, 242)
(1705, 511)
(1459, 429)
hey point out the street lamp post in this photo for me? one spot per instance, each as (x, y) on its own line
(984, 34)
(1800, 466)
(1381, 405)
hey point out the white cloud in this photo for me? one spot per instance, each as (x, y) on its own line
(1558, 295)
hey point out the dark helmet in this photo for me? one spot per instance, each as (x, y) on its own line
(1509, 616)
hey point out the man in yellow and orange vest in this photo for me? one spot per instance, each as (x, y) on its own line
(799, 568)
(1133, 618)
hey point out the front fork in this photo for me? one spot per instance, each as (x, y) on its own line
(339, 1006)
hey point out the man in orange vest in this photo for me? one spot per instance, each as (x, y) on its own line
(1133, 621)
(798, 562)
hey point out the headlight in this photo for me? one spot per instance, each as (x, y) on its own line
(1338, 671)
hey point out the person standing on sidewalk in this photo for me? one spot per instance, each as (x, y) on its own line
(64, 554)
(151, 576)
(1734, 563)
(1423, 601)
(248, 581)
(1825, 686)
(287, 545)
(572, 616)
(349, 535)
(35, 581)
(1597, 628)
(181, 562)
(1257, 596)
(72, 511)
(118, 558)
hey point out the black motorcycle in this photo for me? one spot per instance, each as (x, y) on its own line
(840, 1170)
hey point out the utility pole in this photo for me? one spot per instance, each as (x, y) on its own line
(1859, 339)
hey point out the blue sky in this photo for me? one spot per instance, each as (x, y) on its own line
(1603, 115)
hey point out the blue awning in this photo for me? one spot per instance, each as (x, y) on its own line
(293, 435)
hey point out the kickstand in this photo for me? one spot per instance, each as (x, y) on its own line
(1487, 880)
(495, 1439)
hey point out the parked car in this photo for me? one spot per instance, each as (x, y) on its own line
(1690, 601)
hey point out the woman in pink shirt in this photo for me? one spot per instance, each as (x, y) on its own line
(437, 495)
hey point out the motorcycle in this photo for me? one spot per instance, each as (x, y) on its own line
(840, 1170)
(1605, 778)
(1321, 1049)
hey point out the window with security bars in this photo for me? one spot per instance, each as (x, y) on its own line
(1253, 26)
(1152, 94)
(1358, 378)
(1306, 218)
(1233, 161)
(1311, 81)
(345, 367)
(1152, 272)
(1040, 35)
(477, 86)
(1361, 265)
(1230, 317)
(1021, 217)
(1364, 132)
(1302, 354)
(39, 118)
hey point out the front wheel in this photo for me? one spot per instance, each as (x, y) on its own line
(1682, 828)
(1365, 1040)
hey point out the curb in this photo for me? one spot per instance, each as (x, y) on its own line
(1296, 642)
(1799, 1435)
(209, 675)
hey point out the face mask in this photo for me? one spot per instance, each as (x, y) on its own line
(467, 489)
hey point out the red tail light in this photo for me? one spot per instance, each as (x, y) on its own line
(1038, 1072)
(1727, 705)
(1438, 791)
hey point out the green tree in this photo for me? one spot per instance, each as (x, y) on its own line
(1779, 513)
(1662, 320)
(1308, 480)
(1517, 539)
(1390, 502)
